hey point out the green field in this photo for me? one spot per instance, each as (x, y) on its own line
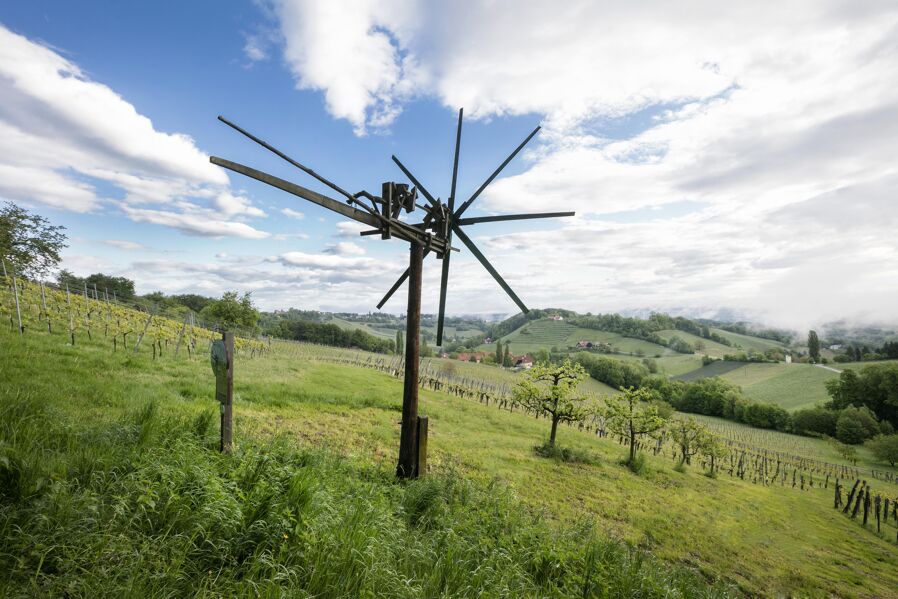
(808, 447)
(491, 373)
(791, 386)
(711, 348)
(671, 365)
(546, 334)
(125, 521)
(748, 342)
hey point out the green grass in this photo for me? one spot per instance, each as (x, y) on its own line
(672, 365)
(546, 334)
(492, 373)
(137, 502)
(794, 386)
(718, 368)
(711, 348)
(791, 386)
(748, 342)
(808, 447)
(363, 326)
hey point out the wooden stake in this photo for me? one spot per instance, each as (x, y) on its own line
(181, 334)
(15, 287)
(139, 339)
(224, 390)
(408, 438)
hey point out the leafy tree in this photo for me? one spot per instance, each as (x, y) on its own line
(400, 347)
(425, 350)
(856, 425)
(632, 415)
(712, 447)
(232, 310)
(499, 355)
(876, 387)
(549, 390)
(688, 435)
(191, 300)
(28, 242)
(813, 346)
(885, 448)
(820, 421)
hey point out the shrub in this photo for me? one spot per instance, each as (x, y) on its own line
(885, 448)
(815, 421)
(856, 425)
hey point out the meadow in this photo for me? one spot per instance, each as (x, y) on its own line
(119, 490)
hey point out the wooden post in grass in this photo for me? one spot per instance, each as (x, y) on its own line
(181, 334)
(139, 339)
(223, 367)
(15, 288)
(421, 468)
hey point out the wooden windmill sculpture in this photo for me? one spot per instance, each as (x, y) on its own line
(432, 235)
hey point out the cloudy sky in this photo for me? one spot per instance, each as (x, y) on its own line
(718, 155)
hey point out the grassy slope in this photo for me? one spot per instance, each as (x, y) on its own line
(748, 342)
(801, 386)
(766, 540)
(712, 348)
(141, 504)
(671, 365)
(809, 447)
(791, 386)
(545, 334)
(492, 373)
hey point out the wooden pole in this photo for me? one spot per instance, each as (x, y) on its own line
(44, 299)
(408, 439)
(139, 339)
(181, 335)
(15, 287)
(224, 391)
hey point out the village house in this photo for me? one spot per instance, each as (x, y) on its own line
(471, 357)
(524, 362)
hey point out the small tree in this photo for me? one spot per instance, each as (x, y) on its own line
(632, 415)
(712, 447)
(29, 242)
(885, 448)
(499, 354)
(549, 390)
(813, 346)
(688, 435)
(232, 310)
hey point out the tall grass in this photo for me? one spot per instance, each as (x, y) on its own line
(145, 506)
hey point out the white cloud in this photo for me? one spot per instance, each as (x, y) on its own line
(293, 213)
(64, 138)
(201, 223)
(345, 248)
(354, 52)
(124, 244)
(348, 228)
(717, 154)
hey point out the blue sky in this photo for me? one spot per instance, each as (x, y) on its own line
(702, 149)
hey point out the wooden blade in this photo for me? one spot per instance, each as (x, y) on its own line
(393, 289)
(444, 283)
(274, 150)
(495, 174)
(444, 278)
(297, 190)
(455, 162)
(493, 219)
(489, 267)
